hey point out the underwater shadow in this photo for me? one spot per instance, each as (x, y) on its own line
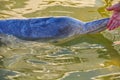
(114, 55)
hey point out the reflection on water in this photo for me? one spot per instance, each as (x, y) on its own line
(102, 10)
(78, 58)
(112, 74)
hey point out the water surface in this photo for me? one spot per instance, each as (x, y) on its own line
(86, 57)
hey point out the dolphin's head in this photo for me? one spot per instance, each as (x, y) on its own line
(96, 26)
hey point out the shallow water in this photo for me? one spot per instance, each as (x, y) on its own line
(87, 57)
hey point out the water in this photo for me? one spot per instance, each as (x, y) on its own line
(87, 57)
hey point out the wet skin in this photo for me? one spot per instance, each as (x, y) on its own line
(50, 28)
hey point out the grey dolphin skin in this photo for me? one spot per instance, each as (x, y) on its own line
(51, 27)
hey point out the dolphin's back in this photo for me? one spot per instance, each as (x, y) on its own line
(37, 28)
(52, 27)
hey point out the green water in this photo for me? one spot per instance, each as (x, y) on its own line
(86, 57)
